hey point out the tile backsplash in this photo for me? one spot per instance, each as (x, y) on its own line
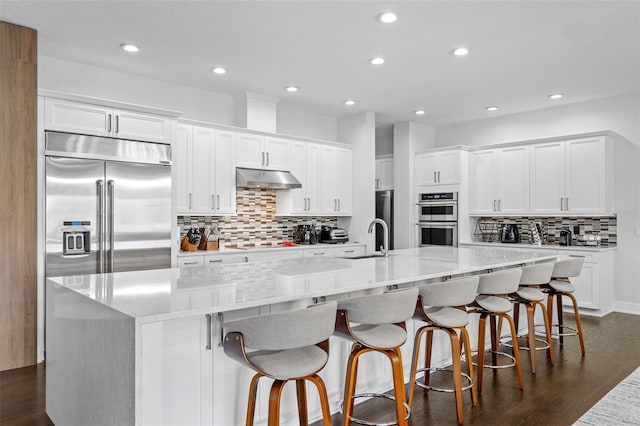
(551, 226)
(256, 223)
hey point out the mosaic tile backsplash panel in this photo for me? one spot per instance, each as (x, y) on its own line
(255, 224)
(551, 226)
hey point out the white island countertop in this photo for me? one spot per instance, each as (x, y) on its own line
(163, 294)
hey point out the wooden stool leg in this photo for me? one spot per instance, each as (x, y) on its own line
(457, 370)
(516, 315)
(427, 358)
(251, 405)
(350, 384)
(274, 402)
(560, 315)
(414, 363)
(516, 351)
(547, 327)
(494, 339)
(398, 384)
(481, 332)
(301, 392)
(467, 348)
(550, 309)
(531, 336)
(578, 322)
(324, 399)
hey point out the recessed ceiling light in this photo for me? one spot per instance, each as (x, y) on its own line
(460, 51)
(128, 47)
(292, 89)
(349, 102)
(556, 96)
(492, 108)
(219, 70)
(419, 112)
(376, 61)
(388, 17)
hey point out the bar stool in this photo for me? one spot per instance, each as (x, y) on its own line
(285, 346)
(492, 302)
(528, 295)
(376, 323)
(442, 307)
(559, 286)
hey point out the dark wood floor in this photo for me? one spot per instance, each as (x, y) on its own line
(557, 395)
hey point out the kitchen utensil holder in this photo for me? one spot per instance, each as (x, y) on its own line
(487, 231)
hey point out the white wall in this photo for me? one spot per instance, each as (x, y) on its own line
(384, 140)
(620, 114)
(298, 121)
(358, 130)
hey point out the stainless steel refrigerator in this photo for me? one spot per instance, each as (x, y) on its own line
(108, 205)
(384, 211)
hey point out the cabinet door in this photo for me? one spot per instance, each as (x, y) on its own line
(312, 178)
(547, 173)
(276, 153)
(202, 199)
(224, 172)
(426, 169)
(250, 151)
(384, 174)
(182, 161)
(344, 188)
(448, 171)
(585, 161)
(328, 181)
(513, 180)
(298, 152)
(482, 182)
(76, 117)
(141, 126)
(586, 285)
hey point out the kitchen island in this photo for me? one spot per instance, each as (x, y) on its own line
(142, 347)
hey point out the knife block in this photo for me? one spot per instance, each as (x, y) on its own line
(186, 246)
(208, 245)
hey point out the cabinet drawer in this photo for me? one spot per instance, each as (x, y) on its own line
(349, 251)
(224, 258)
(190, 261)
(323, 252)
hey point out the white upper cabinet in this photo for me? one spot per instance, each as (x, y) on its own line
(571, 177)
(344, 189)
(384, 174)
(335, 186)
(205, 170)
(437, 168)
(499, 181)
(83, 118)
(260, 152)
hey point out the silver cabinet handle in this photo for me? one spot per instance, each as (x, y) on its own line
(321, 253)
(561, 203)
(215, 260)
(494, 206)
(101, 247)
(566, 203)
(338, 204)
(438, 176)
(117, 124)
(190, 201)
(208, 346)
(377, 183)
(212, 203)
(499, 205)
(335, 204)
(267, 160)
(349, 251)
(262, 164)
(434, 177)
(111, 192)
(109, 123)
(218, 198)
(195, 262)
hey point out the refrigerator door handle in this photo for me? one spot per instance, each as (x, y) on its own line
(100, 186)
(110, 191)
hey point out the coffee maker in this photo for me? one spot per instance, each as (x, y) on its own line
(509, 233)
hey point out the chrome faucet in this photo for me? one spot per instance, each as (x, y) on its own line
(384, 249)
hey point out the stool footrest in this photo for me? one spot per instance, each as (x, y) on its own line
(508, 343)
(378, 395)
(512, 364)
(447, 370)
(560, 331)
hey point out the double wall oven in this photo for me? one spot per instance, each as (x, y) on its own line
(438, 219)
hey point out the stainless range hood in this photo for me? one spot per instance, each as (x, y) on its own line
(270, 179)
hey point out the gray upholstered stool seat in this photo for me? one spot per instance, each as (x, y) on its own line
(560, 286)
(285, 346)
(529, 295)
(376, 323)
(447, 316)
(492, 302)
(442, 307)
(283, 365)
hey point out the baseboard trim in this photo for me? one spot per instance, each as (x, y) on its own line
(627, 308)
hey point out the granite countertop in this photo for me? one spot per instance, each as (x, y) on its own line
(163, 294)
(542, 247)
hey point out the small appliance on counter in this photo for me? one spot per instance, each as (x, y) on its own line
(509, 233)
(331, 235)
(589, 238)
(565, 237)
(305, 234)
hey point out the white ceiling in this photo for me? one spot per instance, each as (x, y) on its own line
(521, 51)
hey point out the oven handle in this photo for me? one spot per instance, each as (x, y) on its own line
(442, 224)
(436, 203)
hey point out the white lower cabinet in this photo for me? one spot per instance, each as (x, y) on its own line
(594, 286)
(319, 252)
(340, 251)
(190, 261)
(282, 254)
